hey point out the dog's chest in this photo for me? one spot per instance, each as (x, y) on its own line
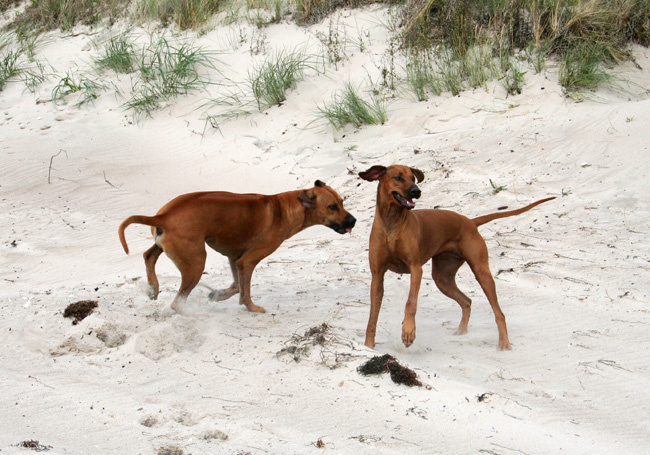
(398, 258)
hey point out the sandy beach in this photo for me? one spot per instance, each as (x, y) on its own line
(571, 274)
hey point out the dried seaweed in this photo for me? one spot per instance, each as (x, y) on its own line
(34, 445)
(79, 310)
(387, 363)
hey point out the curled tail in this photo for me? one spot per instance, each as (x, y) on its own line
(146, 220)
(493, 216)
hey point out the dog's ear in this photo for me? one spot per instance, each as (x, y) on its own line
(319, 184)
(374, 173)
(418, 174)
(308, 199)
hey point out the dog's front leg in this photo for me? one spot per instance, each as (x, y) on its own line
(408, 326)
(245, 266)
(376, 297)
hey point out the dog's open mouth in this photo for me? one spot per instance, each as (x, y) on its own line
(405, 202)
(340, 229)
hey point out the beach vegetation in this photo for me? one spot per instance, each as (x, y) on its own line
(9, 67)
(43, 15)
(586, 37)
(86, 89)
(184, 14)
(118, 54)
(165, 70)
(496, 189)
(349, 107)
(434, 46)
(273, 78)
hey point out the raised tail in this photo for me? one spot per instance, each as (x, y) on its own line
(478, 221)
(139, 219)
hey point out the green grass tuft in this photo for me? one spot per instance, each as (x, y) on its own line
(9, 67)
(165, 71)
(348, 107)
(118, 55)
(87, 89)
(272, 79)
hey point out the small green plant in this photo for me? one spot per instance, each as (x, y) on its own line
(87, 89)
(118, 55)
(186, 14)
(583, 68)
(333, 42)
(497, 188)
(29, 41)
(43, 15)
(9, 67)
(349, 107)
(451, 74)
(34, 76)
(422, 76)
(537, 55)
(513, 80)
(272, 79)
(166, 71)
(477, 66)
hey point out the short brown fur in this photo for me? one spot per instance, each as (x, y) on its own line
(246, 228)
(403, 240)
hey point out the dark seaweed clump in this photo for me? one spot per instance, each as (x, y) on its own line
(79, 310)
(387, 363)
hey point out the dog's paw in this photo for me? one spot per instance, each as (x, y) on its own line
(255, 309)
(222, 294)
(504, 345)
(152, 293)
(408, 332)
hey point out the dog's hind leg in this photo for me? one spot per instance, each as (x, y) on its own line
(478, 261)
(150, 258)
(224, 294)
(190, 260)
(444, 268)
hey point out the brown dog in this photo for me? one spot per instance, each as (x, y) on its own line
(403, 241)
(246, 228)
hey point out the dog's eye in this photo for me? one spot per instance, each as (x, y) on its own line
(334, 207)
(398, 178)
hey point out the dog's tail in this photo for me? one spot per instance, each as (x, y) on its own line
(139, 219)
(478, 221)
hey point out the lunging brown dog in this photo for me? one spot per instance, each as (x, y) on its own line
(246, 228)
(403, 241)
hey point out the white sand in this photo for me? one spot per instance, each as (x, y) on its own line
(572, 275)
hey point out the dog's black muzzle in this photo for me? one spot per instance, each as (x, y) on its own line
(345, 226)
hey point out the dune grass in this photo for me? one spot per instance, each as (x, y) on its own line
(42, 15)
(185, 14)
(587, 36)
(9, 67)
(446, 46)
(348, 107)
(118, 54)
(165, 70)
(271, 80)
(86, 89)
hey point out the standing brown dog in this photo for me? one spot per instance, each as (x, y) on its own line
(246, 228)
(403, 241)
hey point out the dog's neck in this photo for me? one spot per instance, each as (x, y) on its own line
(294, 215)
(391, 214)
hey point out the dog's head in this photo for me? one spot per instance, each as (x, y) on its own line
(397, 184)
(325, 206)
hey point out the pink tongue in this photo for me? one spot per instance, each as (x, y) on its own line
(348, 230)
